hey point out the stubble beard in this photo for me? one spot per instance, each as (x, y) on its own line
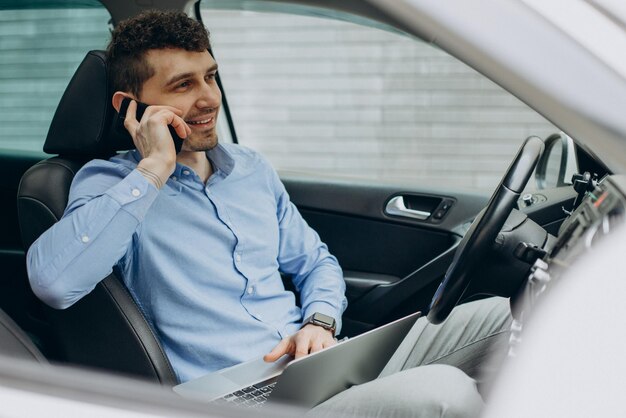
(203, 141)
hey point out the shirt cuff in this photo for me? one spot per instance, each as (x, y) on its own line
(134, 194)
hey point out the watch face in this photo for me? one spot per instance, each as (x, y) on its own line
(324, 320)
(321, 320)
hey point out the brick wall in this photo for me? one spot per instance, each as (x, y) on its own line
(39, 52)
(320, 95)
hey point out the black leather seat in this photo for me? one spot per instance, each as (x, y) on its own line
(105, 329)
(15, 343)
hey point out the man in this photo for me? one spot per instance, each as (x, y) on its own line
(200, 237)
(198, 241)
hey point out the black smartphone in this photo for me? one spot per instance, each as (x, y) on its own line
(141, 108)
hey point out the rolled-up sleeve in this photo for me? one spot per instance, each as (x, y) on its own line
(315, 272)
(106, 204)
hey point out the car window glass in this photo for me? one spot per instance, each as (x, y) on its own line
(331, 97)
(39, 51)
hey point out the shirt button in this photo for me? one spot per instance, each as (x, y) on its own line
(250, 290)
(186, 172)
(238, 257)
(135, 192)
(174, 178)
(84, 239)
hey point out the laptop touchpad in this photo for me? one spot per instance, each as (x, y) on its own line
(256, 370)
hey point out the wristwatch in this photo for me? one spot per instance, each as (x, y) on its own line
(321, 320)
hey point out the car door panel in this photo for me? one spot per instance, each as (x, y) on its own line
(392, 264)
(369, 200)
(375, 246)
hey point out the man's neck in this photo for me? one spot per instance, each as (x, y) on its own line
(198, 162)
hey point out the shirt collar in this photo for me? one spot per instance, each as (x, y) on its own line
(221, 159)
(219, 156)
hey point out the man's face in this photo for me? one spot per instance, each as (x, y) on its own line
(186, 81)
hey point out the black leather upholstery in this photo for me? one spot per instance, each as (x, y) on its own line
(15, 343)
(105, 328)
(42, 195)
(82, 123)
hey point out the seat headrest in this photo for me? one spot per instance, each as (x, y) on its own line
(83, 122)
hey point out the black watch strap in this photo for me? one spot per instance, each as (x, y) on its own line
(321, 320)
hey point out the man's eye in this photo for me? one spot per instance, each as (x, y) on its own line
(210, 76)
(184, 84)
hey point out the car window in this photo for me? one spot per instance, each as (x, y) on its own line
(39, 51)
(332, 97)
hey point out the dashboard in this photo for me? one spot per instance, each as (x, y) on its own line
(602, 210)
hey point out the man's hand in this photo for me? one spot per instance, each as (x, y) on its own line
(309, 339)
(153, 140)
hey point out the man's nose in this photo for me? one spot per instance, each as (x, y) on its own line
(210, 95)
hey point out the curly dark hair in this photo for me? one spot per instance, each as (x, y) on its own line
(152, 29)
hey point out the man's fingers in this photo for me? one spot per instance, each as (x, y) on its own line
(130, 121)
(301, 351)
(167, 114)
(316, 345)
(277, 352)
(168, 117)
(329, 343)
(322, 343)
(180, 127)
(303, 345)
(173, 109)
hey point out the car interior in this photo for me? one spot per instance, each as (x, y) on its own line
(395, 242)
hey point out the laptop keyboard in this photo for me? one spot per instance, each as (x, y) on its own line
(251, 396)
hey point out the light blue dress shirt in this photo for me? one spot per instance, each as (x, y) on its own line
(201, 260)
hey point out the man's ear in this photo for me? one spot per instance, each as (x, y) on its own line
(118, 96)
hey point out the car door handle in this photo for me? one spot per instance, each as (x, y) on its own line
(397, 207)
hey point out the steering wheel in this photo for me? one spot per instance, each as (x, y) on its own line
(484, 230)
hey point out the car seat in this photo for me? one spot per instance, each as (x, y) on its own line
(15, 343)
(105, 329)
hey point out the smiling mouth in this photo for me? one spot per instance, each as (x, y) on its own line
(199, 122)
(202, 120)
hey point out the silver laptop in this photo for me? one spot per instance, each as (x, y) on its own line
(305, 382)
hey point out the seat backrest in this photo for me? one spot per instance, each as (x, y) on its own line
(105, 329)
(15, 343)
